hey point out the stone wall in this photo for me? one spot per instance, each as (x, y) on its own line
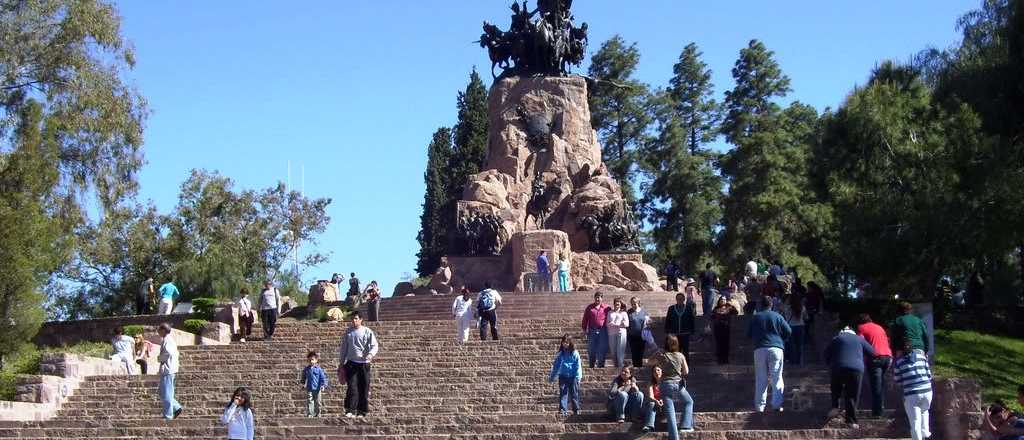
(473, 272)
(64, 333)
(40, 396)
(957, 409)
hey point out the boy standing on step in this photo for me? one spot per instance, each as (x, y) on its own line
(315, 380)
(358, 347)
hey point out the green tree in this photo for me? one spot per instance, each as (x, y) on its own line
(684, 191)
(771, 207)
(619, 109)
(893, 167)
(433, 238)
(469, 136)
(69, 55)
(216, 241)
(31, 233)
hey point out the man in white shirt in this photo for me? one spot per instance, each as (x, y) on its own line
(462, 311)
(168, 368)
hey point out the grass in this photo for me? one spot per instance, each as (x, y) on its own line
(995, 361)
(27, 362)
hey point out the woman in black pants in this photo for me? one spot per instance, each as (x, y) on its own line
(638, 322)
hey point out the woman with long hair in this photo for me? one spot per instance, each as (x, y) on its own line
(618, 324)
(721, 327)
(673, 387)
(569, 371)
(624, 397)
(653, 402)
(238, 416)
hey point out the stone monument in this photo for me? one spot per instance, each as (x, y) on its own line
(544, 186)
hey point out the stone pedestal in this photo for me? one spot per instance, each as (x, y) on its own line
(473, 272)
(527, 245)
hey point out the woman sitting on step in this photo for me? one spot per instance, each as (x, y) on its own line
(624, 397)
(653, 403)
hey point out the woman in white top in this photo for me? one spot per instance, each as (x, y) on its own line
(563, 274)
(238, 416)
(618, 323)
(124, 350)
(462, 311)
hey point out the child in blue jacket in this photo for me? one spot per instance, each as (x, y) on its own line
(315, 380)
(569, 372)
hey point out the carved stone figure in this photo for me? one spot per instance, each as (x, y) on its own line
(612, 229)
(541, 199)
(546, 45)
(477, 234)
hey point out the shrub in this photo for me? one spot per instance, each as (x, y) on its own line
(195, 326)
(134, 330)
(204, 308)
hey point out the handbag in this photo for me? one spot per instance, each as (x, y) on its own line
(647, 336)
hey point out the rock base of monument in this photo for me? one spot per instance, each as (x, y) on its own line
(473, 271)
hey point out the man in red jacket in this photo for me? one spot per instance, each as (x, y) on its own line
(595, 320)
(877, 365)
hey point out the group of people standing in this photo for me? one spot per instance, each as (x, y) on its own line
(162, 298)
(544, 273)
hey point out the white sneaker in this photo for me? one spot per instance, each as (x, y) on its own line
(686, 430)
(241, 340)
(350, 415)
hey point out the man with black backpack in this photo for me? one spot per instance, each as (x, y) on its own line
(486, 309)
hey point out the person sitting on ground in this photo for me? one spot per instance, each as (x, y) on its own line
(673, 387)
(569, 371)
(124, 350)
(653, 403)
(845, 356)
(1003, 424)
(912, 372)
(624, 397)
(372, 297)
(143, 351)
(238, 416)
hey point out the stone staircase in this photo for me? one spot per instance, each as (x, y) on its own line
(427, 386)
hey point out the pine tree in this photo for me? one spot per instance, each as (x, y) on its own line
(684, 194)
(770, 202)
(469, 137)
(31, 232)
(619, 109)
(433, 236)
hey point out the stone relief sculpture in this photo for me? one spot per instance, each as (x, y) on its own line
(612, 229)
(479, 234)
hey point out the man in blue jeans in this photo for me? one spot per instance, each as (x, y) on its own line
(168, 368)
(595, 318)
(543, 272)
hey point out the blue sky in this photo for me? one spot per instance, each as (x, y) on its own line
(353, 90)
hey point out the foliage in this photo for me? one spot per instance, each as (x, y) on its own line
(134, 330)
(771, 209)
(469, 138)
(683, 196)
(204, 308)
(216, 241)
(995, 361)
(433, 235)
(32, 232)
(194, 326)
(619, 108)
(70, 56)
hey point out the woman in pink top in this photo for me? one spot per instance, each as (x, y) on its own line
(618, 322)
